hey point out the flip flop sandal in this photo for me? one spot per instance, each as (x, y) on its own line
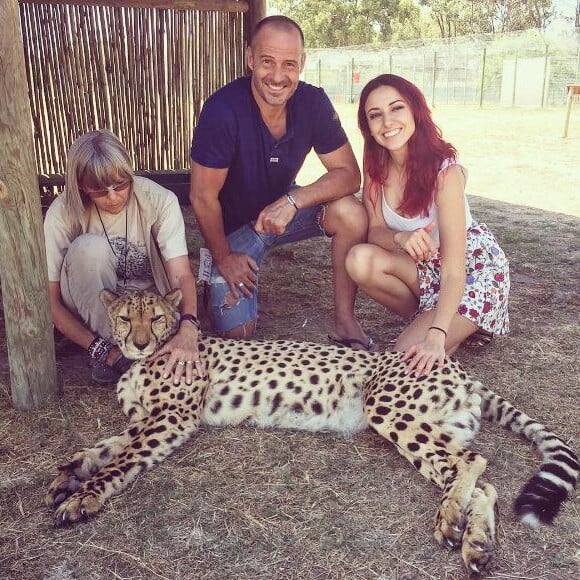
(479, 338)
(352, 342)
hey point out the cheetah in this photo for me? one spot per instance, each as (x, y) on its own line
(298, 385)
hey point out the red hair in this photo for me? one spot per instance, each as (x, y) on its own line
(427, 149)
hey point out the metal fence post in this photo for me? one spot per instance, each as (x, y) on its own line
(449, 62)
(482, 81)
(466, 79)
(454, 78)
(515, 80)
(545, 84)
(433, 77)
(351, 82)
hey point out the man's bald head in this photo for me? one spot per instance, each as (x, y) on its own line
(277, 22)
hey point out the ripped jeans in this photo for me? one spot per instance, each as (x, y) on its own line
(245, 240)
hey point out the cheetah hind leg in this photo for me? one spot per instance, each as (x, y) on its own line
(443, 461)
(466, 516)
(463, 471)
(477, 548)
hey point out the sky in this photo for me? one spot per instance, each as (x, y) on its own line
(565, 15)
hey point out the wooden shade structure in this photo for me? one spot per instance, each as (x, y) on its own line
(141, 68)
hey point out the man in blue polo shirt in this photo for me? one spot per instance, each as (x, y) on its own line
(250, 142)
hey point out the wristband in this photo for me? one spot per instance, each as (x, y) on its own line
(99, 349)
(190, 318)
(439, 329)
(292, 201)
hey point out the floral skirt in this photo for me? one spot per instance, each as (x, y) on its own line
(487, 282)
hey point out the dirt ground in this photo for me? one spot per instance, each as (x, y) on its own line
(249, 504)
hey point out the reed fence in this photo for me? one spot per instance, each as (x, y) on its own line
(143, 73)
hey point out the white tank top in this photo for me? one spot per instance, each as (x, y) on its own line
(402, 224)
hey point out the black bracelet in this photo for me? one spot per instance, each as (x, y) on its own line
(190, 318)
(439, 329)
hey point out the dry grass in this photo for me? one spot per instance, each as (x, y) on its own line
(249, 504)
(513, 155)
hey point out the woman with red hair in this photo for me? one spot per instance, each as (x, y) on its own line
(426, 258)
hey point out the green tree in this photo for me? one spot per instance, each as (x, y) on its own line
(520, 14)
(331, 23)
(457, 17)
(451, 16)
(410, 22)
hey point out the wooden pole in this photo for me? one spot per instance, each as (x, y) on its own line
(572, 90)
(23, 268)
(257, 9)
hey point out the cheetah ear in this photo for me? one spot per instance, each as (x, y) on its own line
(107, 297)
(174, 298)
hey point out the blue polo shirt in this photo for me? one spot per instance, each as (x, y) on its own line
(231, 134)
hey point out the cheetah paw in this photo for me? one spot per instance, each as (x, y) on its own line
(78, 507)
(477, 554)
(478, 548)
(62, 487)
(449, 524)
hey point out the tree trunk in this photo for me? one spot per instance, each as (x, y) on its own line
(23, 267)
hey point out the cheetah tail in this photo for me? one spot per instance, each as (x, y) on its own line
(540, 499)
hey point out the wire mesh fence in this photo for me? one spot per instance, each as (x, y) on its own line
(514, 70)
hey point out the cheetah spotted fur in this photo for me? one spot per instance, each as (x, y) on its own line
(298, 385)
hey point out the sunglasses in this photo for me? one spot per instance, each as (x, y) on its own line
(102, 192)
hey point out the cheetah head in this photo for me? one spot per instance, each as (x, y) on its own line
(141, 321)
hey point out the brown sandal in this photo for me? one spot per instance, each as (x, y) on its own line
(354, 343)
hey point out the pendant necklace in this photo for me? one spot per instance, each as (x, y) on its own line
(111, 245)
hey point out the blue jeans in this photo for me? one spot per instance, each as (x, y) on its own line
(306, 224)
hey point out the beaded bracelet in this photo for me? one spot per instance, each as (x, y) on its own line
(99, 349)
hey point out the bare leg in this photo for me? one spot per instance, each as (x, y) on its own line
(390, 278)
(346, 221)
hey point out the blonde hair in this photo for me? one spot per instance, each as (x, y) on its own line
(95, 160)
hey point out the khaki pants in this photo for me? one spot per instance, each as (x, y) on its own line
(88, 267)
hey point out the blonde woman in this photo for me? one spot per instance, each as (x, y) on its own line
(111, 229)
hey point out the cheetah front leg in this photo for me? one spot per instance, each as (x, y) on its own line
(86, 463)
(137, 449)
(82, 466)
